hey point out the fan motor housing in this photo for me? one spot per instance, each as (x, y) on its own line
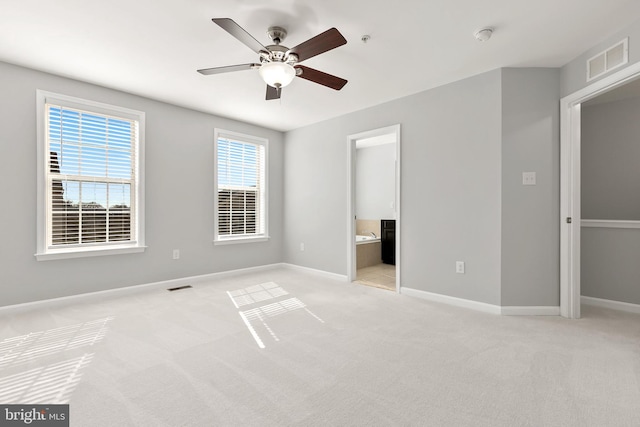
(277, 34)
(278, 53)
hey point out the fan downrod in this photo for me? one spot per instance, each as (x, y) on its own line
(277, 34)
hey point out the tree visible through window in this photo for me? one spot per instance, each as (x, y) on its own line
(240, 178)
(90, 166)
(90, 180)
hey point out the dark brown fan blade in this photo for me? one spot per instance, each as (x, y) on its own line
(321, 78)
(321, 43)
(273, 93)
(228, 69)
(230, 26)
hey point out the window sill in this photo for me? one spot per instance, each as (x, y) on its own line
(84, 252)
(241, 240)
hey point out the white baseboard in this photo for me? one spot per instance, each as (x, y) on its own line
(458, 302)
(482, 306)
(335, 276)
(129, 290)
(615, 305)
(530, 311)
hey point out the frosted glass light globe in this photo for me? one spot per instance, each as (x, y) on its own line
(277, 74)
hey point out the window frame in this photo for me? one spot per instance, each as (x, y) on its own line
(46, 252)
(264, 189)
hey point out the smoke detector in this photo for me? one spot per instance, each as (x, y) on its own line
(484, 34)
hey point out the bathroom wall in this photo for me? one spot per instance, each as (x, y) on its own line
(365, 227)
(375, 182)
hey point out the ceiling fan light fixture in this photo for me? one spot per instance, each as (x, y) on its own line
(277, 74)
(279, 64)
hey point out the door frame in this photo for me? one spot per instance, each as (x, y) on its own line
(351, 198)
(570, 184)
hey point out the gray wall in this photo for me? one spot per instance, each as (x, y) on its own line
(451, 173)
(609, 267)
(610, 180)
(574, 74)
(179, 196)
(375, 182)
(610, 157)
(464, 147)
(530, 228)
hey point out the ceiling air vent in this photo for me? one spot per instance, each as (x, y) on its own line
(612, 58)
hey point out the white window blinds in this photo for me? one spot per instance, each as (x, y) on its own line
(91, 177)
(241, 164)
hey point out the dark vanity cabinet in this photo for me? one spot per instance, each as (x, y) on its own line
(388, 238)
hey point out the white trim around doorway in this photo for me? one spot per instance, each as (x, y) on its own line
(570, 217)
(351, 198)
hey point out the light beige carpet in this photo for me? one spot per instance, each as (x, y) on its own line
(288, 348)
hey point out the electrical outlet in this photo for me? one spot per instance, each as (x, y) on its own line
(528, 178)
(176, 254)
(301, 247)
(460, 267)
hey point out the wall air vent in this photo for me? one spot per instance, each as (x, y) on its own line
(610, 59)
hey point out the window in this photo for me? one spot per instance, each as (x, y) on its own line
(240, 187)
(89, 187)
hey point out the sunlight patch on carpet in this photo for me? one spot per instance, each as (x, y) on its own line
(257, 316)
(54, 382)
(257, 293)
(24, 348)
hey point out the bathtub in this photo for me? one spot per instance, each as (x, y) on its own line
(362, 240)
(368, 251)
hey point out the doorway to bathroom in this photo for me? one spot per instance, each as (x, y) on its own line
(373, 231)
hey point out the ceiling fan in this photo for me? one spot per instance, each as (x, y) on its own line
(279, 64)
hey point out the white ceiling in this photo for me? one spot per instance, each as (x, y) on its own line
(153, 47)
